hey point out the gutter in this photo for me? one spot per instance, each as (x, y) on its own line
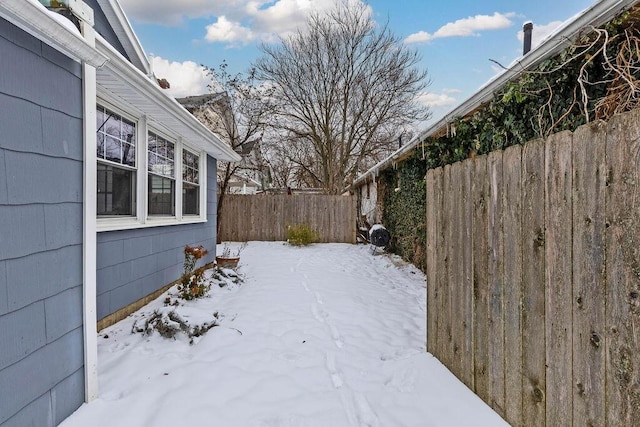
(148, 89)
(596, 15)
(36, 20)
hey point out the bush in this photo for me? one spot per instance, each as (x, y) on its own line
(301, 235)
(193, 284)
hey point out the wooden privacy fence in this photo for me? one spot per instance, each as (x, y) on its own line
(533, 266)
(267, 217)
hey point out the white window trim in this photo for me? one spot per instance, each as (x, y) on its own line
(142, 219)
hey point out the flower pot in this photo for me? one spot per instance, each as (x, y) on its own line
(227, 262)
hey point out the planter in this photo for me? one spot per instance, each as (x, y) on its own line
(227, 262)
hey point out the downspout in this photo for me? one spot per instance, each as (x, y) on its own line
(89, 240)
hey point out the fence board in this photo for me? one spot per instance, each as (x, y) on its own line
(495, 279)
(431, 264)
(440, 259)
(480, 279)
(533, 291)
(623, 270)
(542, 258)
(466, 284)
(447, 284)
(512, 229)
(455, 263)
(558, 262)
(589, 176)
(267, 217)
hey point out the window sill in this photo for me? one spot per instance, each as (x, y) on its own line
(116, 224)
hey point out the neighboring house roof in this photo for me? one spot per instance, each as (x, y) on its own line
(596, 15)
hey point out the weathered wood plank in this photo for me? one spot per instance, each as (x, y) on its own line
(495, 244)
(455, 263)
(466, 276)
(440, 273)
(447, 283)
(512, 233)
(431, 257)
(480, 278)
(533, 280)
(623, 270)
(559, 291)
(589, 292)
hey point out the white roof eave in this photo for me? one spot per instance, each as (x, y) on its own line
(119, 80)
(36, 20)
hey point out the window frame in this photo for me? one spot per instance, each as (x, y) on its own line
(141, 217)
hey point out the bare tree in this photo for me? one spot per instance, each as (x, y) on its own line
(236, 110)
(343, 86)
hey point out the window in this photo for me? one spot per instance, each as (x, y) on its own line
(146, 177)
(190, 183)
(161, 183)
(116, 152)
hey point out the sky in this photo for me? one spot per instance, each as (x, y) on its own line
(324, 335)
(458, 40)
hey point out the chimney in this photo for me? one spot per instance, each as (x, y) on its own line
(528, 30)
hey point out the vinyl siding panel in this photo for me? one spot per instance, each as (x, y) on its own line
(41, 357)
(135, 263)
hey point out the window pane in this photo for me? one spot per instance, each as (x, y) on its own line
(160, 156)
(100, 146)
(190, 167)
(128, 131)
(112, 126)
(99, 118)
(116, 191)
(190, 199)
(153, 143)
(161, 195)
(128, 154)
(112, 150)
(116, 137)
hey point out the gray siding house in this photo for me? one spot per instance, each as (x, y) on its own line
(103, 181)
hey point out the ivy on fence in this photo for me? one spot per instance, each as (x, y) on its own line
(597, 76)
(404, 193)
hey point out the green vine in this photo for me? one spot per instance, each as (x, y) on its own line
(597, 76)
(403, 214)
(594, 78)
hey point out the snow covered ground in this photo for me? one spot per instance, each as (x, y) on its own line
(326, 335)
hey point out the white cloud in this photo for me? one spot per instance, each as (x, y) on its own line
(228, 32)
(236, 21)
(436, 100)
(171, 12)
(186, 78)
(540, 32)
(465, 27)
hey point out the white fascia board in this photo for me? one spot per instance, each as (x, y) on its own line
(598, 14)
(121, 80)
(121, 25)
(36, 20)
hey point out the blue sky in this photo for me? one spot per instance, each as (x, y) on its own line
(456, 38)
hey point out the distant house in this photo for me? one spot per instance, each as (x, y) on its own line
(214, 110)
(103, 181)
